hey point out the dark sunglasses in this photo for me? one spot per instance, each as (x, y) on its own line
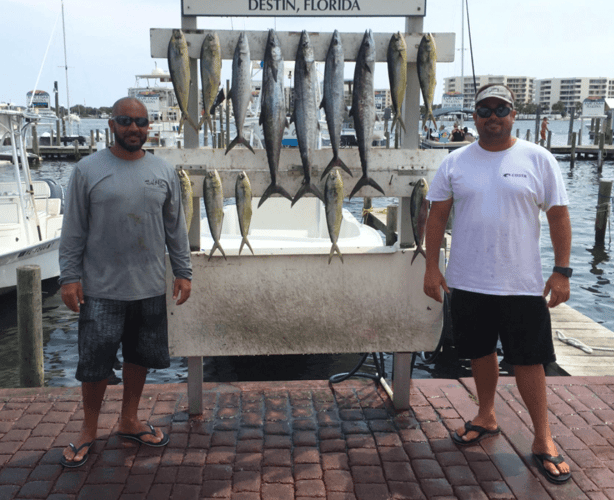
(126, 121)
(500, 111)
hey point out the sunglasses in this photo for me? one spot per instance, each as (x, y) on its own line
(500, 111)
(126, 121)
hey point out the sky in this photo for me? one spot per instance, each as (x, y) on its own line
(108, 43)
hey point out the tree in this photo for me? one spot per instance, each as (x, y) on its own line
(559, 107)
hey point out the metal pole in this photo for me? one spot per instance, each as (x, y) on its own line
(30, 326)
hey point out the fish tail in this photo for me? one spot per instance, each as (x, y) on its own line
(335, 248)
(418, 250)
(245, 241)
(399, 121)
(365, 181)
(181, 124)
(335, 162)
(240, 140)
(216, 245)
(307, 187)
(274, 188)
(191, 122)
(431, 117)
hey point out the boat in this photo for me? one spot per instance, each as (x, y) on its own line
(30, 211)
(276, 229)
(156, 92)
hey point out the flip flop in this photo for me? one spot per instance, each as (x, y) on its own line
(152, 431)
(539, 460)
(482, 433)
(72, 463)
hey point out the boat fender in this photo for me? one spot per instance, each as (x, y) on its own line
(56, 191)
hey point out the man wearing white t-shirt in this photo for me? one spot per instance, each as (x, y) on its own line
(498, 186)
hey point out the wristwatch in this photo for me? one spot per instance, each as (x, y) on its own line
(565, 271)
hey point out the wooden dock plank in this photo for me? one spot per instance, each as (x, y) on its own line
(574, 361)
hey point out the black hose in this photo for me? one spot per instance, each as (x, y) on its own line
(379, 368)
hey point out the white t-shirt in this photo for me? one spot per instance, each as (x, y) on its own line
(496, 228)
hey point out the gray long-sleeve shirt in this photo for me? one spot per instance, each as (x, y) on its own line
(119, 216)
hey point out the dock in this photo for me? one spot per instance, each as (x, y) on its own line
(589, 150)
(65, 152)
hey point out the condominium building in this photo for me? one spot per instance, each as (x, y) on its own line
(571, 91)
(523, 86)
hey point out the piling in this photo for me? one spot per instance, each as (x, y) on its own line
(30, 326)
(537, 119)
(603, 210)
(97, 135)
(608, 130)
(391, 224)
(91, 141)
(601, 153)
(58, 138)
(572, 159)
(35, 148)
(77, 152)
(517, 132)
(528, 136)
(549, 142)
(596, 136)
(106, 137)
(367, 205)
(571, 119)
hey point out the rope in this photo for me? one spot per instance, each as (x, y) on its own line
(579, 344)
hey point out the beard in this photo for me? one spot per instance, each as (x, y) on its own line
(130, 147)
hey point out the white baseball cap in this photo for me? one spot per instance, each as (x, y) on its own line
(498, 91)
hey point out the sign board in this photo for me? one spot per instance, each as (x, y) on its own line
(38, 98)
(452, 100)
(593, 106)
(305, 8)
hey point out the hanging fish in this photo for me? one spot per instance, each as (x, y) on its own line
(210, 72)
(186, 196)
(243, 196)
(427, 62)
(333, 201)
(397, 75)
(419, 210)
(214, 206)
(179, 68)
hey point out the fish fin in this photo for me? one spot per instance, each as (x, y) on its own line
(180, 124)
(274, 73)
(335, 248)
(191, 122)
(335, 162)
(243, 242)
(240, 140)
(216, 245)
(365, 181)
(398, 121)
(307, 188)
(201, 122)
(418, 250)
(274, 188)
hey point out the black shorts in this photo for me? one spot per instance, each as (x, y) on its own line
(139, 325)
(522, 322)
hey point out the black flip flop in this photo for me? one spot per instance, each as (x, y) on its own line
(482, 433)
(72, 463)
(539, 460)
(152, 431)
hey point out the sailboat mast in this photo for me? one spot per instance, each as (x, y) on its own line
(463, 50)
(66, 69)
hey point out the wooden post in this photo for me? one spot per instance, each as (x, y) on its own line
(528, 136)
(608, 130)
(106, 137)
(91, 141)
(572, 159)
(35, 148)
(59, 136)
(548, 144)
(517, 132)
(571, 119)
(77, 152)
(30, 326)
(596, 136)
(97, 135)
(391, 224)
(227, 115)
(600, 154)
(537, 117)
(603, 210)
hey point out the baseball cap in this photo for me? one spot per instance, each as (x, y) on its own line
(498, 91)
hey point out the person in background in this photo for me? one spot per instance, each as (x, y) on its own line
(457, 134)
(123, 208)
(544, 129)
(498, 186)
(469, 137)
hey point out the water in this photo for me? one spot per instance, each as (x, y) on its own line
(591, 294)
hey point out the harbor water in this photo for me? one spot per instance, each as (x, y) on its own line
(592, 294)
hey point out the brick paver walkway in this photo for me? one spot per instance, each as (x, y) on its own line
(307, 440)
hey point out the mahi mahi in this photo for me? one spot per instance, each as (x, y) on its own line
(273, 111)
(186, 196)
(333, 100)
(210, 72)
(419, 210)
(363, 108)
(243, 196)
(333, 199)
(214, 205)
(427, 61)
(305, 112)
(241, 91)
(397, 74)
(179, 67)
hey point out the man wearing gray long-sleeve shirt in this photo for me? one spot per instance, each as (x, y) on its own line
(123, 209)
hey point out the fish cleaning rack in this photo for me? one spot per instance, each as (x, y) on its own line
(297, 303)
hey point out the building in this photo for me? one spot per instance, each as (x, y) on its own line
(523, 86)
(572, 91)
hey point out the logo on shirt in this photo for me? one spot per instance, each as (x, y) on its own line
(155, 182)
(515, 175)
